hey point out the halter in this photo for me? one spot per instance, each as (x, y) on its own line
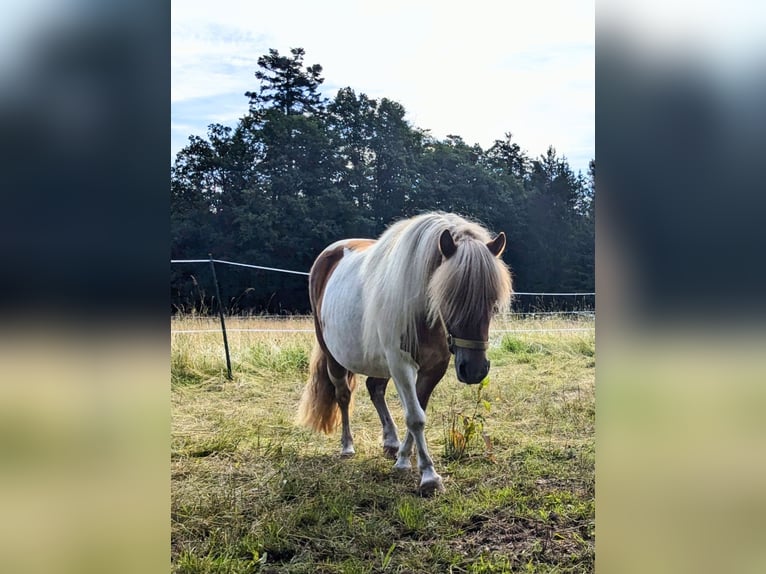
(453, 342)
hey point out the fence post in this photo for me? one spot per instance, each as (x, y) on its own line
(220, 313)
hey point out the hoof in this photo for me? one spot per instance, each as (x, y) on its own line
(428, 489)
(347, 453)
(402, 467)
(390, 452)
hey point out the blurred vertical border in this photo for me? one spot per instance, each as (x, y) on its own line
(84, 344)
(681, 330)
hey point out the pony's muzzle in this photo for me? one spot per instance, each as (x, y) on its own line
(471, 372)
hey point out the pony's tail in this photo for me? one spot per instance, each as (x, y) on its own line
(318, 408)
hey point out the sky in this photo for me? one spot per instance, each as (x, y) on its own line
(475, 69)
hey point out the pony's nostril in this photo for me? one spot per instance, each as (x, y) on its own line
(461, 371)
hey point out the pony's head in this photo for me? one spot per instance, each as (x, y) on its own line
(469, 286)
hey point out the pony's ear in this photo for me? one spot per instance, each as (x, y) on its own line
(447, 244)
(497, 245)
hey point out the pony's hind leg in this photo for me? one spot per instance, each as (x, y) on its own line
(344, 382)
(377, 390)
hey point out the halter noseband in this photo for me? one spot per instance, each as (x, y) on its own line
(453, 342)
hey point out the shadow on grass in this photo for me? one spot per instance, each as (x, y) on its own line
(293, 513)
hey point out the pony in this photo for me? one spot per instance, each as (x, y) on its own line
(397, 308)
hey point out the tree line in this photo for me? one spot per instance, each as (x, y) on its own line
(299, 171)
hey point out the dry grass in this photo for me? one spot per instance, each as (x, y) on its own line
(253, 492)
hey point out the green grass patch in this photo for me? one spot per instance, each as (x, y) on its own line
(252, 492)
(188, 367)
(277, 357)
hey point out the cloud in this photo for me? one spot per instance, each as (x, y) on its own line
(478, 71)
(209, 60)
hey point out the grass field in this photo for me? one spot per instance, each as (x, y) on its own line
(253, 492)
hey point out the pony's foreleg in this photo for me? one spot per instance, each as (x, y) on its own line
(344, 382)
(377, 390)
(405, 451)
(404, 371)
(426, 382)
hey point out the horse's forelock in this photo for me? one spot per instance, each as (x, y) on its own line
(406, 282)
(468, 284)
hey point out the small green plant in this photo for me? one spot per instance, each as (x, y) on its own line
(410, 513)
(490, 564)
(385, 559)
(461, 429)
(513, 345)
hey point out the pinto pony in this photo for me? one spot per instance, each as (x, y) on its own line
(398, 308)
